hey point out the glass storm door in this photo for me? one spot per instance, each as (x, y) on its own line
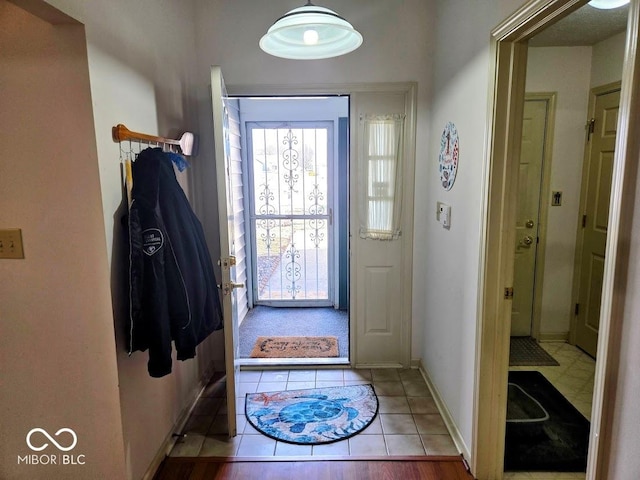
(291, 212)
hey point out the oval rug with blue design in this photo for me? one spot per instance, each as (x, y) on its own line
(312, 416)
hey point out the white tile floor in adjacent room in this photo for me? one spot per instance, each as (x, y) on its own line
(574, 379)
(408, 421)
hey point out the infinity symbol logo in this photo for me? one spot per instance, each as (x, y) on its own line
(51, 439)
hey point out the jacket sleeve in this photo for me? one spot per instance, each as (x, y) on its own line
(149, 316)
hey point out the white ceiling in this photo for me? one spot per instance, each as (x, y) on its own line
(585, 26)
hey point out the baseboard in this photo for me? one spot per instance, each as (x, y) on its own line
(171, 439)
(456, 436)
(553, 337)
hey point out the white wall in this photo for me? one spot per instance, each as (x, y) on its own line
(606, 63)
(141, 66)
(565, 71)
(446, 262)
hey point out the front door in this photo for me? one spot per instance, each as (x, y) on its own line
(291, 212)
(527, 215)
(596, 192)
(221, 135)
(381, 290)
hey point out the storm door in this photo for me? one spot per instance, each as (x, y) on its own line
(290, 167)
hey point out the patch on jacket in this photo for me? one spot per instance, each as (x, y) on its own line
(153, 240)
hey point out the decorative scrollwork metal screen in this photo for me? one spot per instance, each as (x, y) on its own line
(291, 211)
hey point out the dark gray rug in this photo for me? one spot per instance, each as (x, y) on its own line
(265, 321)
(525, 351)
(544, 431)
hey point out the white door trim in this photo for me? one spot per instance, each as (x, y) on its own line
(506, 99)
(410, 90)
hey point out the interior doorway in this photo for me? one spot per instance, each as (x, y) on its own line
(512, 49)
(295, 208)
(548, 307)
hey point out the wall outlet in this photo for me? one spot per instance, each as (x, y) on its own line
(11, 243)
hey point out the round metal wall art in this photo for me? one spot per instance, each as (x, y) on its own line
(449, 153)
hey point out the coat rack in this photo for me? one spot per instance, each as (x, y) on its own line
(120, 133)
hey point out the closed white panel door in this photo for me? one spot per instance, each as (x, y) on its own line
(527, 215)
(224, 169)
(381, 269)
(596, 195)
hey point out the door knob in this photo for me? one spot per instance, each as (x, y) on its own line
(228, 287)
(528, 240)
(529, 224)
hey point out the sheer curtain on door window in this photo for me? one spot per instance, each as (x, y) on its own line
(380, 176)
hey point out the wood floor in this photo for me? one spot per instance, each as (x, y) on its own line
(404, 468)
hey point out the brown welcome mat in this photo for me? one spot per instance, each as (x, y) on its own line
(295, 347)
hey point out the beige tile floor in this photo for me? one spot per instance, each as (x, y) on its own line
(574, 379)
(408, 422)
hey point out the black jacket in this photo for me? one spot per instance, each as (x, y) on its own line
(173, 292)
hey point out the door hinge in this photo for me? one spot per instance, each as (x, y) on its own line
(577, 309)
(591, 124)
(508, 293)
(584, 221)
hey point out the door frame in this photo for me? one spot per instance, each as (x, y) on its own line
(351, 89)
(506, 100)
(575, 290)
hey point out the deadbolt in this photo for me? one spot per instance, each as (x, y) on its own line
(528, 240)
(529, 224)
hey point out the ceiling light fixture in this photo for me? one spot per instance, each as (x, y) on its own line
(607, 4)
(310, 32)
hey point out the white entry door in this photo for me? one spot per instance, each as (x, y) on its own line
(221, 137)
(381, 269)
(527, 215)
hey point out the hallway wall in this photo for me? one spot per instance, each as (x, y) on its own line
(446, 274)
(57, 367)
(446, 286)
(141, 62)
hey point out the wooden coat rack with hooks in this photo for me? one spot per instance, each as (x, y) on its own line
(120, 133)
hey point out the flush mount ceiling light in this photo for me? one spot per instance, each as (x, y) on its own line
(310, 33)
(607, 4)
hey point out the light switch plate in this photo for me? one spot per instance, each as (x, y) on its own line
(443, 215)
(11, 243)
